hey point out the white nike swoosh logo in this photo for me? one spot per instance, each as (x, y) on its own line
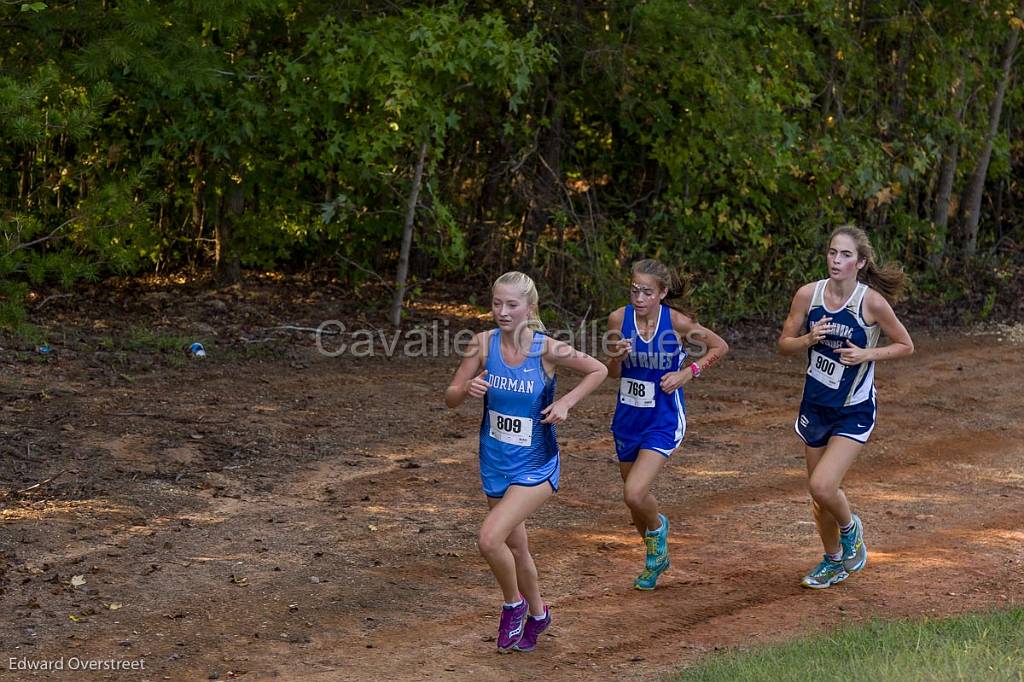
(529, 370)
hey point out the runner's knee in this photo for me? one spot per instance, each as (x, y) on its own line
(489, 542)
(822, 489)
(634, 496)
(816, 508)
(519, 546)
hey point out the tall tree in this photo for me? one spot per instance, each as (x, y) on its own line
(976, 187)
(367, 94)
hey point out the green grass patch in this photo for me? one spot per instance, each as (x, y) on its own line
(148, 340)
(988, 646)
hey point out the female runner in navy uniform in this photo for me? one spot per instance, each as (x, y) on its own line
(650, 414)
(512, 368)
(836, 322)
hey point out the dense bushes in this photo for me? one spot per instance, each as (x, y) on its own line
(560, 138)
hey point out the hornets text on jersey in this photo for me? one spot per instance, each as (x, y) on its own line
(645, 416)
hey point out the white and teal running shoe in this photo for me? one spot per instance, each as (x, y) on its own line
(855, 552)
(826, 574)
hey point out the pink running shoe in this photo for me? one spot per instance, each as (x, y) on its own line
(532, 630)
(510, 630)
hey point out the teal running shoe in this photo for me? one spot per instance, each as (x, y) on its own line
(648, 579)
(656, 543)
(855, 552)
(825, 574)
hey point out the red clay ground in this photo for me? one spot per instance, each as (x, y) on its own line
(271, 513)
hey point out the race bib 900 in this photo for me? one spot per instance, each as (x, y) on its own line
(825, 370)
(636, 393)
(511, 430)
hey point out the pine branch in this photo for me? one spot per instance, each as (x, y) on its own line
(43, 239)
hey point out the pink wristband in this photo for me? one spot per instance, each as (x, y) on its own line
(695, 370)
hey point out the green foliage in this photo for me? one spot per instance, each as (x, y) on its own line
(362, 96)
(22, 264)
(565, 139)
(445, 242)
(12, 307)
(989, 646)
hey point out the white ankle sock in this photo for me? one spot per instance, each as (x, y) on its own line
(516, 604)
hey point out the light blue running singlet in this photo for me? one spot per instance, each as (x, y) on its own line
(515, 448)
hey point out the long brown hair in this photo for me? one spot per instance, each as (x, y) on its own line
(888, 280)
(678, 289)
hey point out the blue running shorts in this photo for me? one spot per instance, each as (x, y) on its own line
(817, 423)
(628, 447)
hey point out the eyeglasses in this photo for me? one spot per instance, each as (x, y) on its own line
(637, 291)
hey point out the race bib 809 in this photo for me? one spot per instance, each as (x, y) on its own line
(511, 430)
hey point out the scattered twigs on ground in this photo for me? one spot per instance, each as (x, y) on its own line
(37, 485)
(50, 298)
(324, 330)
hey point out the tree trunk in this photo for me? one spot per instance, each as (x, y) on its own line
(903, 59)
(947, 176)
(545, 188)
(228, 264)
(198, 203)
(940, 216)
(482, 240)
(972, 202)
(403, 255)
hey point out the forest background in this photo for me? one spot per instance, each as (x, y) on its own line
(412, 145)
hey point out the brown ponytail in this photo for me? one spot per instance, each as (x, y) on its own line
(888, 280)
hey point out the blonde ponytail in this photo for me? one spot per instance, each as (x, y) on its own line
(524, 284)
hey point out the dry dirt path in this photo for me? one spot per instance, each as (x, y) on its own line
(315, 519)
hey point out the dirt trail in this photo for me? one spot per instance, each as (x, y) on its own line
(311, 518)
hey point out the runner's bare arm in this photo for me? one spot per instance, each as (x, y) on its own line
(617, 347)
(791, 341)
(470, 377)
(560, 354)
(693, 332)
(690, 331)
(878, 311)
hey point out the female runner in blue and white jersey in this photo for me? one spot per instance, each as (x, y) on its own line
(650, 360)
(512, 368)
(837, 322)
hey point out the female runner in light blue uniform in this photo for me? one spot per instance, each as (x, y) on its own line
(650, 415)
(517, 446)
(513, 369)
(837, 322)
